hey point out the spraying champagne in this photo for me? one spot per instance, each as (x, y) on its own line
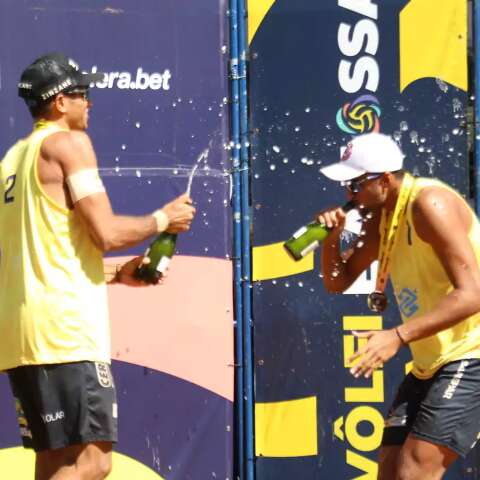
(162, 249)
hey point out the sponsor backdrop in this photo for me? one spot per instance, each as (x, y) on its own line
(163, 102)
(321, 73)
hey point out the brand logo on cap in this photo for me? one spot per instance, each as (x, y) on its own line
(57, 89)
(348, 152)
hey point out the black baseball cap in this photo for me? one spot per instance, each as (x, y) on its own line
(51, 74)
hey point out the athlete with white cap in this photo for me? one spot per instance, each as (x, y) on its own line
(427, 241)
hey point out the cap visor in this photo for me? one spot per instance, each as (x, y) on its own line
(341, 171)
(85, 79)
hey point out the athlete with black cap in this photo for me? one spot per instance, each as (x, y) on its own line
(427, 240)
(55, 223)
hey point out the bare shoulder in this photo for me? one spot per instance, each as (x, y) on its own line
(435, 208)
(69, 148)
(66, 140)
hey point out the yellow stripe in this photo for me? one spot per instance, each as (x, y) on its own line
(19, 463)
(433, 42)
(257, 10)
(272, 261)
(364, 322)
(286, 429)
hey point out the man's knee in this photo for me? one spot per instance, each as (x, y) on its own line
(420, 459)
(100, 467)
(97, 461)
(411, 466)
(90, 461)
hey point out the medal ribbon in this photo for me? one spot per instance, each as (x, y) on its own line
(389, 235)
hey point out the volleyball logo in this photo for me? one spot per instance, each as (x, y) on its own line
(360, 116)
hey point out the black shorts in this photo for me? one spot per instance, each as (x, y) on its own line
(444, 410)
(64, 404)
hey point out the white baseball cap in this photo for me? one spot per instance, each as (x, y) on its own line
(369, 153)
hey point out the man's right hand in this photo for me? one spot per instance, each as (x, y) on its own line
(333, 218)
(180, 213)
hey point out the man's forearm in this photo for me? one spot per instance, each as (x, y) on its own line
(452, 309)
(118, 232)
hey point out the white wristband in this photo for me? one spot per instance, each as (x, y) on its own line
(161, 219)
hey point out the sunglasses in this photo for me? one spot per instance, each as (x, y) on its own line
(79, 92)
(356, 185)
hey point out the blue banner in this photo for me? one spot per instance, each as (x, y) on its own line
(322, 73)
(161, 109)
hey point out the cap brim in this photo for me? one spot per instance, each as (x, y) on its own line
(342, 171)
(85, 79)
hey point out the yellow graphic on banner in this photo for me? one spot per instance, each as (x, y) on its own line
(272, 261)
(257, 10)
(19, 462)
(433, 42)
(286, 429)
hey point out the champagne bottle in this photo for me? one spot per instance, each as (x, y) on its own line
(159, 252)
(309, 237)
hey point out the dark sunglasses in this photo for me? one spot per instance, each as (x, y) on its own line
(78, 92)
(356, 185)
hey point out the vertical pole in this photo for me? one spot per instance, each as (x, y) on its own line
(239, 454)
(246, 245)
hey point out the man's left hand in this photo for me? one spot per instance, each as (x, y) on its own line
(126, 274)
(381, 346)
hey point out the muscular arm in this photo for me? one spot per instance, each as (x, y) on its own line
(341, 269)
(73, 151)
(442, 220)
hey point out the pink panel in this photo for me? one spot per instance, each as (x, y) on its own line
(183, 327)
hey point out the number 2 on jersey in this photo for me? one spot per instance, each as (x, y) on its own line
(8, 192)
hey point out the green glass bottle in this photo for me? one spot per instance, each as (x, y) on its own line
(159, 252)
(309, 237)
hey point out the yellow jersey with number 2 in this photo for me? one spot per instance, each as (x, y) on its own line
(53, 303)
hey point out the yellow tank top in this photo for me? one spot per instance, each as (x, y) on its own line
(53, 303)
(419, 281)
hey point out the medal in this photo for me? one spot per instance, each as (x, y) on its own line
(377, 302)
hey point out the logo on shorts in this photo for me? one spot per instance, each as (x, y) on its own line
(408, 302)
(103, 374)
(452, 386)
(53, 417)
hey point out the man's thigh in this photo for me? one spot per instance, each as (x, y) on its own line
(403, 411)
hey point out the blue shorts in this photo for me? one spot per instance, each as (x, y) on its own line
(444, 409)
(64, 404)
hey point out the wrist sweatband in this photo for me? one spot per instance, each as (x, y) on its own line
(84, 183)
(161, 219)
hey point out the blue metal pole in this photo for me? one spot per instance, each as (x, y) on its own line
(246, 244)
(237, 241)
(476, 7)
